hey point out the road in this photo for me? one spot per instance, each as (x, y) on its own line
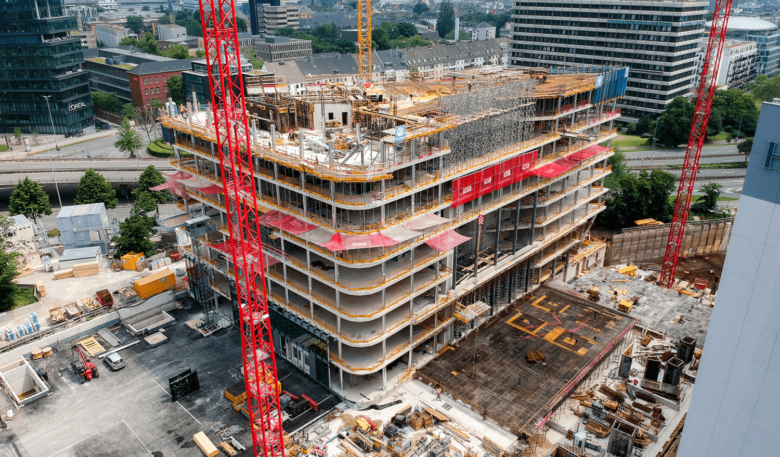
(680, 152)
(60, 177)
(59, 166)
(98, 148)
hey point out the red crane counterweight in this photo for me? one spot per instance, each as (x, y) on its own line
(701, 116)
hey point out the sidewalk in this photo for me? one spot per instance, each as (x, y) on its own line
(48, 143)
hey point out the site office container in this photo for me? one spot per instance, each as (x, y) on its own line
(130, 259)
(155, 283)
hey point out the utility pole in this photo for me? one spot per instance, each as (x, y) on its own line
(51, 119)
(56, 185)
(736, 141)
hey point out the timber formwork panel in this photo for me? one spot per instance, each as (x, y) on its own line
(489, 370)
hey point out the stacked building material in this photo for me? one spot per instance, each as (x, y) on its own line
(86, 269)
(62, 274)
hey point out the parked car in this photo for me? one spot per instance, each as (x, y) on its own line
(115, 361)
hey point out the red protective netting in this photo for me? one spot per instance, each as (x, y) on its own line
(447, 240)
(211, 190)
(167, 185)
(179, 175)
(492, 178)
(223, 246)
(567, 163)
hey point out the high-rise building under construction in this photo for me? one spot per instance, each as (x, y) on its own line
(397, 216)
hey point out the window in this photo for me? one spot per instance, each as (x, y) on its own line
(144, 80)
(146, 91)
(163, 78)
(158, 90)
(165, 89)
(155, 80)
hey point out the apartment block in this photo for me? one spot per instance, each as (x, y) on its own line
(388, 228)
(110, 35)
(657, 40)
(277, 48)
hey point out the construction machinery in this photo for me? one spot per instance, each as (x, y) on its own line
(230, 121)
(701, 117)
(84, 369)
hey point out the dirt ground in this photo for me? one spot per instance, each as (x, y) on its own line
(699, 267)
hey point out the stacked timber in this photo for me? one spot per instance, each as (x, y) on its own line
(41, 289)
(205, 444)
(62, 274)
(86, 269)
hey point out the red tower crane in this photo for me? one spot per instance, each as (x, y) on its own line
(709, 78)
(220, 36)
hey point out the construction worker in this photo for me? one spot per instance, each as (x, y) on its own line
(438, 394)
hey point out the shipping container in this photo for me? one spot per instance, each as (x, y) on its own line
(130, 259)
(155, 283)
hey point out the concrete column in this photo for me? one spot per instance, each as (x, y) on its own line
(527, 274)
(517, 222)
(341, 379)
(384, 378)
(498, 235)
(454, 267)
(533, 217)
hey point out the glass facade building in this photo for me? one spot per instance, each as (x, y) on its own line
(39, 58)
(657, 39)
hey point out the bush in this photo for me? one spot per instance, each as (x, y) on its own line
(729, 129)
(158, 148)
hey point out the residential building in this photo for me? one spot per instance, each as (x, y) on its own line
(304, 12)
(657, 40)
(738, 64)
(108, 5)
(86, 226)
(88, 38)
(394, 62)
(483, 31)
(149, 81)
(111, 35)
(41, 81)
(108, 69)
(167, 32)
(192, 42)
(435, 61)
(270, 18)
(374, 250)
(87, 14)
(138, 5)
(734, 409)
(276, 48)
(765, 34)
(339, 19)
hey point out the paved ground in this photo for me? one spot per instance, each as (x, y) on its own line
(130, 412)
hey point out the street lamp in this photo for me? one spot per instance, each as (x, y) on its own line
(53, 132)
(736, 141)
(56, 185)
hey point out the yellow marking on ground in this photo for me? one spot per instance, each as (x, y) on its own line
(554, 334)
(584, 324)
(538, 328)
(564, 309)
(568, 340)
(454, 373)
(536, 304)
(582, 351)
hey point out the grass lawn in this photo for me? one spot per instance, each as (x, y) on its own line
(24, 297)
(719, 137)
(629, 141)
(3, 147)
(51, 233)
(696, 198)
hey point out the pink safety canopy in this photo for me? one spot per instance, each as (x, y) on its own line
(567, 163)
(447, 240)
(425, 221)
(178, 175)
(223, 246)
(295, 226)
(163, 186)
(334, 244)
(339, 242)
(211, 190)
(271, 217)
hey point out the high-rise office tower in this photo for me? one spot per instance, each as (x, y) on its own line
(657, 40)
(735, 409)
(40, 61)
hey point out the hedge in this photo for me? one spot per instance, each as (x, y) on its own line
(158, 148)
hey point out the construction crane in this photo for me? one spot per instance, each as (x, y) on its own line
(701, 117)
(364, 39)
(220, 36)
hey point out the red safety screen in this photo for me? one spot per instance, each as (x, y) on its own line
(464, 189)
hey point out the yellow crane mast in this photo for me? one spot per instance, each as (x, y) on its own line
(364, 39)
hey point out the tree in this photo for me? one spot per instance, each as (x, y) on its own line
(151, 177)
(406, 29)
(420, 8)
(194, 28)
(18, 135)
(745, 147)
(107, 102)
(257, 62)
(241, 24)
(446, 20)
(766, 88)
(149, 45)
(94, 188)
(462, 36)
(129, 139)
(645, 125)
(165, 19)
(29, 199)
(100, 44)
(381, 38)
(8, 271)
(145, 8)
(711, 194)
(176, 89)
(674, 125)
(35, 137)
(146, 118)
(619, 169)
(200, 53)
(178, 51)
(5, 225)
(737, 110)
(134, 233)
(128, 111)
(135, 23)
(639, 197)
(128, 41)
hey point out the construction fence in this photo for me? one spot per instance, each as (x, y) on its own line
(648, 244)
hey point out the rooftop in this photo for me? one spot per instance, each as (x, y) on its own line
(19, 219)
(747, 24)
(149, 68)
(82, 210)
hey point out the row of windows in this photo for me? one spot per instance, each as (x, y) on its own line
(601, 25)
(546, 32)
(65, 96)
(39, 27)
(146, 91)
(608, 53)
(45, 51)
(632, 65)
(618, 43)
(597, 15)
(156, 80)
(610, 7)
(41, 62)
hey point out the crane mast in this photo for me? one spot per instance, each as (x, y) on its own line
(364, 39)
(701, 116)
(218, 19)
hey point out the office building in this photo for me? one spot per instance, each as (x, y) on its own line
(108, 69)
(276, 48)
(735, 410)
(40, 62)
(168, 32)
(375, 251)
(738, 65)
(195, 81)
(765, 34)
(256, 11)
(270, 18)
(657, 40)
(149, 81)
(110, 36)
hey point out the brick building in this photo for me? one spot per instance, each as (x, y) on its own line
(150, 80)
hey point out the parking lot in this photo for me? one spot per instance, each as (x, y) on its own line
(130, 412)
